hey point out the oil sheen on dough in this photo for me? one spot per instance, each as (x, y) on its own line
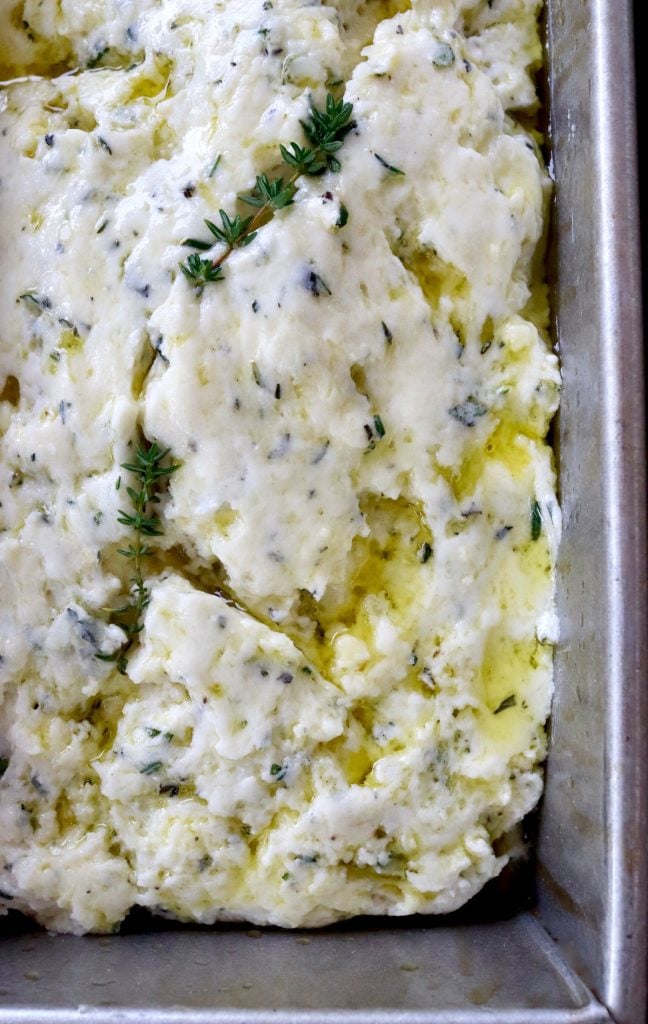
(337, 703)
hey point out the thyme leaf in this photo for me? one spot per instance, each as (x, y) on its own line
(200, 272)
(306, 161)
(327, 129)
(233, 231)
(270, 194)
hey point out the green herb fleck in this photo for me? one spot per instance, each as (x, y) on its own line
(316, 285)
(37, 303)
(214, 166)
(379, 426)
(468, 412)
(169, 789)
(343, 216)
(536, 520)
(444, 57)
(388, 167)
(425, 553)
(151, 769)
(96, 60)
(4, 764)
(508, 702)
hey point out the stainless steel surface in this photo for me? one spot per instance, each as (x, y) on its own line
(593, 838)
(592, 847)
(509, 972)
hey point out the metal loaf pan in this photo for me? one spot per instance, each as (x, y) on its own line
(579, 956)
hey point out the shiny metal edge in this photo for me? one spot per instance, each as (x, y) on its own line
(624, 983)
(90, 1015)
(603, 933)
(616, 968)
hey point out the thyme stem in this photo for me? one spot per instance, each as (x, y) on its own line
(255, 223)
(148, 471)
(325, 130)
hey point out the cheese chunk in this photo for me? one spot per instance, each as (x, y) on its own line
(333, 699)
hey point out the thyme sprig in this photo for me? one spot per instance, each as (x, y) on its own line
(326, 131)
(149, 471)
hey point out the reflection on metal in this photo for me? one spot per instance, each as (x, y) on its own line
(592, 845)
(592, 850)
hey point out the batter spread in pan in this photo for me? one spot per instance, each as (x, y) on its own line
(278, 524)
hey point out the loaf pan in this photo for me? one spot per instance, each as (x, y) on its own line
(579, 953)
